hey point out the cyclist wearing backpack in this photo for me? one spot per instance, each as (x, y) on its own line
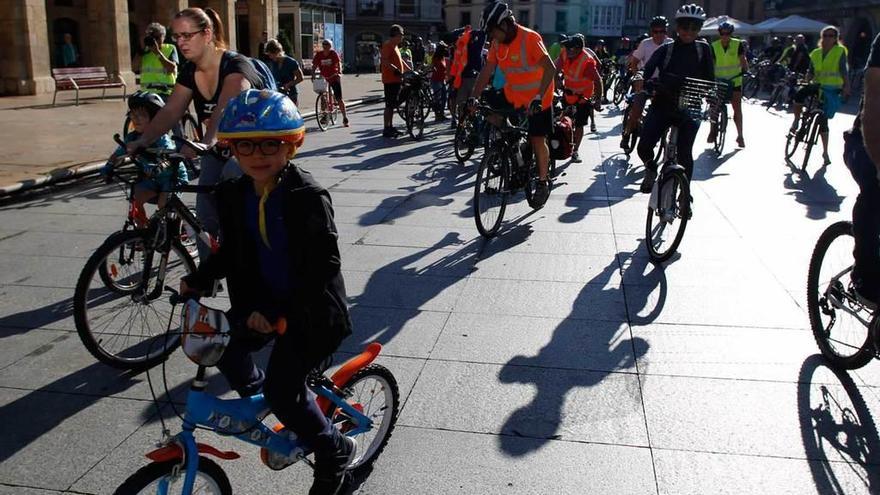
(692, 58)
(209, 78)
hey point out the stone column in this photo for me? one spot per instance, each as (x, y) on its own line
(107, 36)
(24, 66)
(262, 16)
(165, 10)
(226, 9)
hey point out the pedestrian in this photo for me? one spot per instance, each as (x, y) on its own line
(285, 69)
(261, 48)
(438, 80)
(159, 63)
(69, 55)
(418, 51)
(393, 68)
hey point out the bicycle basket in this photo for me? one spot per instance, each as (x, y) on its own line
(319, 85)
(692, 96)
(204, 333)
(725, 91)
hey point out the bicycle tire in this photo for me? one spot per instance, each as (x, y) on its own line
(812, 138)
(675, 178)
(158, 345)
(413, 107)
(368, 453)
(721, 135)
(146, 476)
(818, 304)
(462, 145)
(494, 164)
(792, 142)
(321, 114)
(619, 91)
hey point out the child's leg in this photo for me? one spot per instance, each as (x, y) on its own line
(237, 364)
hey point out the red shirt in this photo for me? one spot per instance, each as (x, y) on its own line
(328, 64)
(439, 66)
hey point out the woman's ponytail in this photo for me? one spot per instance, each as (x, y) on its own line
(218, 28)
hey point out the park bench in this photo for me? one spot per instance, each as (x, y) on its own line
(77, 78)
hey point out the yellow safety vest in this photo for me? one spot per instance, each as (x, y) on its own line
(727, 63)
(153, 72)
(826, 68)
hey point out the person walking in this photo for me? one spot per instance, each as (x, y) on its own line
(285, 69)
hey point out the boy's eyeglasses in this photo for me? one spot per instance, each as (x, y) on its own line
(185, 36)
(246, 147)
(690, 25)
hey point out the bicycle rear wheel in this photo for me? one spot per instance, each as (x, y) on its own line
(490, 193)
(665, 225)
(374, 392)
(210, 479)
(722, 130)
(321, 114)
(462, 143)
(844, 340)
(123, 323)
(812, 138)
(415, 119)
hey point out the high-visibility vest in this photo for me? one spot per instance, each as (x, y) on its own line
(727, 63)
(459, 60)
(575, 79)
(826, 68)
(153, 72)
(521, 80)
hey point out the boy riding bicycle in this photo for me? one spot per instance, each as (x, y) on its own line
(280, 259)
(142, 107)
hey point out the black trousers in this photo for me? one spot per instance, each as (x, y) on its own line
(283, 383)
(866, 214)
(657, 121)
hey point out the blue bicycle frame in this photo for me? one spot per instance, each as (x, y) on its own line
(243, 417)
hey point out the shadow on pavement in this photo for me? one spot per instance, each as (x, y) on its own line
(836, 425)
(815, 193)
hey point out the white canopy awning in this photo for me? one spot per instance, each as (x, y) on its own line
(792, 24)
(710, 27)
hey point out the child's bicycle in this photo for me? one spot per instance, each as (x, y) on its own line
(118, 304)
(846, 328)
(361, 400)
(326, 110)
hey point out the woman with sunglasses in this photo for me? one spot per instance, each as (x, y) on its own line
(730, 64)
(692, 58)
(829, 72)
(209, 78)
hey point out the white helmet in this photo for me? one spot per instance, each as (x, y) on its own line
(691, 11)
(205, 333)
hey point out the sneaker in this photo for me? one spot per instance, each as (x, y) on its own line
(331, 473)
(592, 127)
(740, 142)
(542, 193)
(826, 159)
(345, 122)
(648, 181)
(575, 158)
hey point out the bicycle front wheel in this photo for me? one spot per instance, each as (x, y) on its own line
(321, 114)
(462, 143)
(490, 193)
(415, 123)
(812, 139)
(121, 315)
(833, 308)
(210, 479)
(374, 392)
(722, 130)
(665, 225)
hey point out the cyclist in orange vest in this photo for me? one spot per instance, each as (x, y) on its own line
(521, 56)
(581, 80)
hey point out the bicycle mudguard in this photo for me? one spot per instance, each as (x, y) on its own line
(175, 451)
(350, 367)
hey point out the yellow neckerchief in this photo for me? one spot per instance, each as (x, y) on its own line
(262, 212)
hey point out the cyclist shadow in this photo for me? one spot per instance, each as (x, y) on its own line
(615, 174)
(382, 160)
(612, 345)
(707, 164)
(836, 424)
(815, 193)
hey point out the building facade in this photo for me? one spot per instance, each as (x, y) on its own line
(110, 33)
(367, 23)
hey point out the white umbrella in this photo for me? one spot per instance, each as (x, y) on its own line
(794, 24)
(710, 27)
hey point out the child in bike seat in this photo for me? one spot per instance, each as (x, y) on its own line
(280, 258)
(142, 107)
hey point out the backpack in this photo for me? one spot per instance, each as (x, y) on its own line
(263, 71)
(562, 140)
(701, 47)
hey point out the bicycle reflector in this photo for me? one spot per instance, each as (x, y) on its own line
(205, 333)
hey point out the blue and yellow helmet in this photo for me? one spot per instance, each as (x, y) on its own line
(257, 113)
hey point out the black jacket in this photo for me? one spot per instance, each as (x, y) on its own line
(317, 307)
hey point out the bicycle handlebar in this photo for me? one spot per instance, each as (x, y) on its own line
(176, 298)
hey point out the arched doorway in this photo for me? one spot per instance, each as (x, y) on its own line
(60, 27)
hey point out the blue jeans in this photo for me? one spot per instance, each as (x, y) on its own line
(213, 170)
(866, 215)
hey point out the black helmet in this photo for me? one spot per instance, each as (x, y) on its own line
(143, 99)
(576, 42)
(600, 42)
(726, 26)
(493, 14)
(659, 21)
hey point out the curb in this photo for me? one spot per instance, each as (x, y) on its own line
(87, 169)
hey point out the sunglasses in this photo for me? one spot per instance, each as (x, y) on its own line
(689, 25)
(658, 31)
(267, 147)
(185, 36)
(829, 36)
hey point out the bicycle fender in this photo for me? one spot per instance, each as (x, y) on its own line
(350, 367)
(175, 451)
(672, 168)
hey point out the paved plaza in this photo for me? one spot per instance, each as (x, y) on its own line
(553, 359)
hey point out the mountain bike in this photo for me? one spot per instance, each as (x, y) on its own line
(846, 328)
(418, 101)
(621, 88)
(812, 121)
(361, 399)
(507, 166)
(326, 110)
(118, 305)
(669, 207)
